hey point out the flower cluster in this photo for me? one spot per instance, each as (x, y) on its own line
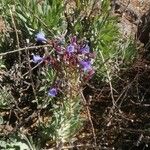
(75, 56)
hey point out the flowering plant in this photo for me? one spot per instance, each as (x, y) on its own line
(72, 62)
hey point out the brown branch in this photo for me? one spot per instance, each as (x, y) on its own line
(25, 48)
(89, 117)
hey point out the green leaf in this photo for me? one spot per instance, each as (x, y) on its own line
(1, 120)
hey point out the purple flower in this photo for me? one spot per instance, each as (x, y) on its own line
(37, 59)
(70, 48)
(85, 65)
(85, 49)
(40, 37)
(52, 92)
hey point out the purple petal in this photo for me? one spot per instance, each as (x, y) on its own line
(85, 49)
(70, 48)
(52, 92)
(37, 58)
(85, 65)
(40, 37)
